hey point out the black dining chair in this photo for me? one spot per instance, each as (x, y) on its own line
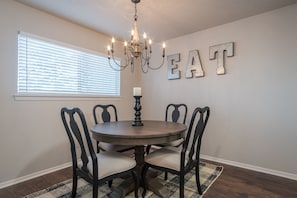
(95, 168)
(174, 113)
(180, 162)
(107, 113)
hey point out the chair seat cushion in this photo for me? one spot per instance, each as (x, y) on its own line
(114, 147)
(110, 163)
(165, 157)
(175, 143)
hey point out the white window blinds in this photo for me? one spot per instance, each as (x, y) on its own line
(50, 68)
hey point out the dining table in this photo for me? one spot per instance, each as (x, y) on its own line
(149, 133)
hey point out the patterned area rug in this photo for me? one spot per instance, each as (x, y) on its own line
(208, 174)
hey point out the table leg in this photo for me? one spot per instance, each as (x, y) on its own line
(139, 158)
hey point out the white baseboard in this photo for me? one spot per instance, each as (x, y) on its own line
(33, 175)
(206, 157)
(251, 167)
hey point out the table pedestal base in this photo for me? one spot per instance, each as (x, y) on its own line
(127, 186)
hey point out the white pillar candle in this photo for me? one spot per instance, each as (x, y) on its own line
(137, 91)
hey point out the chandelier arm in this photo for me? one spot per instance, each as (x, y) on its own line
(155, 68)
(116, 69)
(143, 70)
(144, 67)
(132, 64)
(147, 55)
(121, 67)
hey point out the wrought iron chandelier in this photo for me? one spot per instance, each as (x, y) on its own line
(135, 51)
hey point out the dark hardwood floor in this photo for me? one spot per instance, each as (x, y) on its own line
(238, 182)
(234, 182)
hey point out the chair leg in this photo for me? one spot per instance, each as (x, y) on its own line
(181, 185)
(143, 176)
(74, 185)
(109, 183)
(95, 190)
(136, 181)
(97, 144)
(198, 179)
(166, 176)
(148, 147)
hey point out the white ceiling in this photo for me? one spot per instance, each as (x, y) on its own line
(160, 19)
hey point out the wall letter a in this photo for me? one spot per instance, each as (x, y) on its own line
(194, 64)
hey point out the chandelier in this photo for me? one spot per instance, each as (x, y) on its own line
(135, 51)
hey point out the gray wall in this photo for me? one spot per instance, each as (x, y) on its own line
(253, 107)
(32, 137)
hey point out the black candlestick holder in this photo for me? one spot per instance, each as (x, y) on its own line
(137, 108)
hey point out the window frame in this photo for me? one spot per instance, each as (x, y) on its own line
(61, 96)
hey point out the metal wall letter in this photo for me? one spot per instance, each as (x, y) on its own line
(194, 65)
(173, 73)
(220, 49)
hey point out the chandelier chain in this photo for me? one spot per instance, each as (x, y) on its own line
(135, 11)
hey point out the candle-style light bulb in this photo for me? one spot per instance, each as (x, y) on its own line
(132, 35)
(164, 45)
(150, 45)
(125, 47)
(145, 42)
(108, 50)
(112, 42)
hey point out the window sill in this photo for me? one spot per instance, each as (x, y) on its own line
(59, 97)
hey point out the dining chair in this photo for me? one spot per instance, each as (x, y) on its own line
(95, 168)
(174, 113)
(107, 113)
(180, 162)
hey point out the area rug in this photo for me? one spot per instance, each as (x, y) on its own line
(208, 174)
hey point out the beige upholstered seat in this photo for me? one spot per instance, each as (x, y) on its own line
(106, 158)
(166, 157)
(175, 143)
(180, 162)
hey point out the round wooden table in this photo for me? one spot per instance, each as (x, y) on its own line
(123, 133)
(152, 132)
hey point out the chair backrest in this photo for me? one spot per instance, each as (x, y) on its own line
(194, 135)
(78, 134)
(176, 113)
(108, 113)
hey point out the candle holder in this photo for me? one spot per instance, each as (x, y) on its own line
(137, 108)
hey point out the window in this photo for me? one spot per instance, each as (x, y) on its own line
(48, 68)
